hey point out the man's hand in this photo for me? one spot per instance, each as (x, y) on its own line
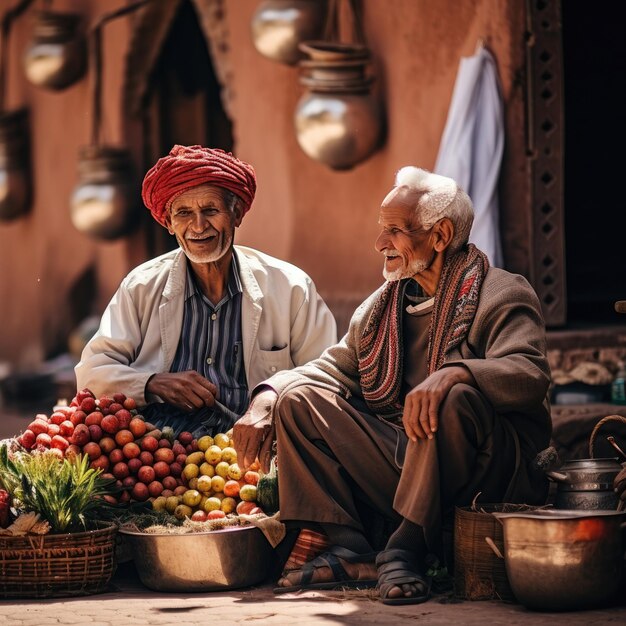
(253, 434)
(421, 405)
(185, 390)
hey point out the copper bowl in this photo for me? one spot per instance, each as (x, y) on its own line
(217, 560)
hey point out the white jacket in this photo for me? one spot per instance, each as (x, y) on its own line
(284, 323)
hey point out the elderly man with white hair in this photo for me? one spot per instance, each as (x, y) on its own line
(438, 392)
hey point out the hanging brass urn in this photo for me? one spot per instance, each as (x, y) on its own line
(278, 26)
(57, 55)
(338, 120)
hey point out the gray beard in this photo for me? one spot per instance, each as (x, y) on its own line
(415, 267)
(210, 257)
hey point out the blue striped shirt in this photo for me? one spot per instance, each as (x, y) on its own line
(211, 340)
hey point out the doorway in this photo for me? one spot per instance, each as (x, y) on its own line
(594, 77)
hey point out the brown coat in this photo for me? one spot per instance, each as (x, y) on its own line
(505, 351)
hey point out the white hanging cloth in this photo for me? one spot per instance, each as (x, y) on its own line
(472, 145)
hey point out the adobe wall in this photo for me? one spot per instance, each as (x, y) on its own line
(323, 220)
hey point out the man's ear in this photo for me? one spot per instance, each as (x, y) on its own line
(168, 223)
(238, 211)
(443, 233)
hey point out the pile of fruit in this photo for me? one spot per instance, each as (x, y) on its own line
(186, 477)
(215, 484)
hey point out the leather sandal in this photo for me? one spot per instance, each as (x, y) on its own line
(401, 567)
(340, 580)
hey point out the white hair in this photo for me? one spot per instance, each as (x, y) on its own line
(439, 197)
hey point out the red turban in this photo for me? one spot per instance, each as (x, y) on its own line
(186, 167)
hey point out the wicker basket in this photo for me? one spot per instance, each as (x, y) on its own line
(47, 566)
(478, 573)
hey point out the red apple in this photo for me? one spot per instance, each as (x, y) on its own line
(59, 442)
(146, 474)
(95, 432)
(66, 428)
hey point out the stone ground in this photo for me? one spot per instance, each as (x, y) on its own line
(128, 602)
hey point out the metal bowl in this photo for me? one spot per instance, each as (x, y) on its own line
(235, 557)
(563, 560)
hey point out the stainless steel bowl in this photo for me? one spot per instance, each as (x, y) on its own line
(563, 560)
(206, 561)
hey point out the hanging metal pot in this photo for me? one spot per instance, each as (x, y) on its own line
(338, 120)
(104, 203)
(278, 26)
(57, 55)
(15, 168)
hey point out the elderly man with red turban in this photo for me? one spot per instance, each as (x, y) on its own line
(187, 334)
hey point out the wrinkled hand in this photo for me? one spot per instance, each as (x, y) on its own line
(185, 390)
(253, 434)
(620, 487)
(421, 405)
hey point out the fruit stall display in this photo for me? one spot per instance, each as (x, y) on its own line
(126, 469)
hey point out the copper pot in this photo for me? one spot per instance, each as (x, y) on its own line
(278, 26)
(563, 560)
(57, 55)
(103, 204)
(15, 169)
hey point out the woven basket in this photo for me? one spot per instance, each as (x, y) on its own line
(478, 573)
(47, 566)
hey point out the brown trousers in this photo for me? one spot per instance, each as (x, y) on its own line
(332, 453)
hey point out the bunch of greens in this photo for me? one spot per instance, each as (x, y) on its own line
(65, 492)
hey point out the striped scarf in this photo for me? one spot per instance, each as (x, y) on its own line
(381, 347)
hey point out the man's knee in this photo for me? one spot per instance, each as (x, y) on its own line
(303, 399)
(465, 414)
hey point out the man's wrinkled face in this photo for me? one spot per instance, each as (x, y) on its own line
(403, 241)
(203, 223)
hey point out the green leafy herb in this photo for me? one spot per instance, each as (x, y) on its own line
(64, 492)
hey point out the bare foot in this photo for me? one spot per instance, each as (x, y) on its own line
(407, 591)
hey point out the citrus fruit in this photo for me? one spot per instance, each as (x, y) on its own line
(190, 471)
(206, 469)
(159, 504)
(205, 442)
(217, 483)
(212, 504)
(222, 440)
(213, 455)
(248, 493)
(228, 505)
(204, 483)
(182, 511)
(231, 488)
(171, 503)
(192, 497)
(252, 478)
(234, 471)
(229, 455)
(221, 469)
(195, 458)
